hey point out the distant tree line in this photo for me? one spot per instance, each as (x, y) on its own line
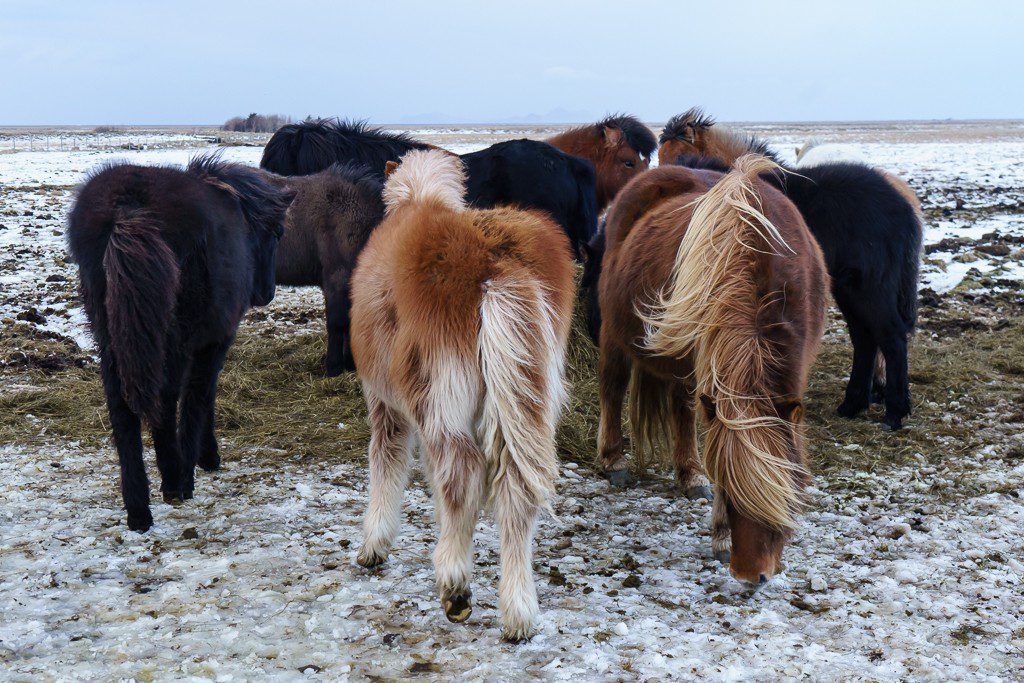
(256, 123)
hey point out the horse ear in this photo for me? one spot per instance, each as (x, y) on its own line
(389, 168)
(612, 136)
(792, 411)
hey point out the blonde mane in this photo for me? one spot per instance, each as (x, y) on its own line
(709, 311)
(428, 175)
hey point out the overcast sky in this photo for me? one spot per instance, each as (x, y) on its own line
(108, 62)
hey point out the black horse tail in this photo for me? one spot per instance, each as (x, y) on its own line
(586, 186)
(142, 277)
(907, 297)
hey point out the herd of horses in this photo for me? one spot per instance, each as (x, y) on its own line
(449, 289)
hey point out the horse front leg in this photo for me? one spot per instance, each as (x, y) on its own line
(336, 300)
(613, 371)
(689, 471)
(721, 534)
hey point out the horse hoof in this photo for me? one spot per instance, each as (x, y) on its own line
(209, 463)
(847, 410)
(368, 559)
(516, 635)
(174, 497)
(698, 492)
(892, 425)
(622, 479)
(140, 522)
(723, 557)
(458, 606)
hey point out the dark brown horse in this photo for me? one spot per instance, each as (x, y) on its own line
(712, 288)
(868, 223)
(169, 261)
(327, 225)
(620, 147)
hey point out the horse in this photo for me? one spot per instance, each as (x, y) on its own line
(169, 260)
(326, 227)
(460, 319)
(869, 225)
(620, 148)
(524, 173)
(714, 289)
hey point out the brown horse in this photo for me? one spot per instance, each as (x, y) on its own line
(460, 320)
(712, 287)
(620, 147)
(326, 227)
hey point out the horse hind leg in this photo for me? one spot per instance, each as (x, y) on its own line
(458, 470)
(390, 445)
(897, 383)
(127, 429)
(858, 389)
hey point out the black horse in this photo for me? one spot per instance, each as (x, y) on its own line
(526, 173)
(868, 224)
(169, 261)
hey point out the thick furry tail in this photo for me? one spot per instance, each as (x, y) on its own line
(429, 175)
(522, 360)
(709, 312)
(909, 278)
(142, 276)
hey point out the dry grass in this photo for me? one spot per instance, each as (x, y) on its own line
(274, 398)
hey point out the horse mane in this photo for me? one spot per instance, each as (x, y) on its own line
(263, 203)
(700, 129)
(313, 145)
(694, 117)
(637, 134)
(709, 311)
(431, 175)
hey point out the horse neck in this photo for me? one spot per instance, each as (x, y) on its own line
(575, 141)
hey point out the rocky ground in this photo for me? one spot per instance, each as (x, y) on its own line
(907, 563)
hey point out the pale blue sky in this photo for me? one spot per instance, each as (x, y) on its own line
(144, 62)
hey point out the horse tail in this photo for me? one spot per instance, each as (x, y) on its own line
(651, 410)
(522, 362)
(709, 312)
(142, 277)
(426, 176)
(907, 295)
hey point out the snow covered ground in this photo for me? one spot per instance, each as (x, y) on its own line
(915, 572)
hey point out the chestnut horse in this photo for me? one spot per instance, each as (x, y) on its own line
(712, 287)
(868, 223)
(459, 324)
(620, 147)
